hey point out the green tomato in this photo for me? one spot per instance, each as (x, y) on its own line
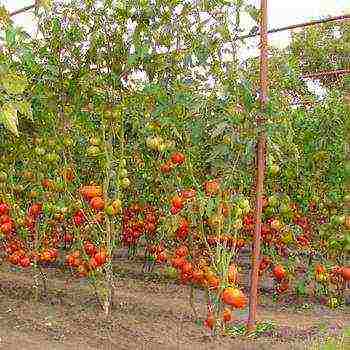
(284, 208)
(244, 204)
(52, 157)
(274, 169)
(238, 212)
(40, 151)
(347, 198)
(273, 201)
(171, 272)
(68, 142)
(3, 176)
(95, 141)
(125, 183)
(338, 220)
(123, 173)
(93, 151)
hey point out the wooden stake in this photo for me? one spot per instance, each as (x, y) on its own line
(261, 160)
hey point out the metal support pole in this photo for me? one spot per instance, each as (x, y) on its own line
(261, 160)
(299, 25)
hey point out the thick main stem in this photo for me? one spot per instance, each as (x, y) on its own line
(261, 160)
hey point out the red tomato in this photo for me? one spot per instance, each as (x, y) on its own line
(188, 194)
(100, 257)
(345, 273)
(177, 158)
(4, 219)
(7, 228)
(4, 209)
(279, 272)
(181, 251)
(174, 210)
(35, 210)
(177, 202)
(90, 248)
(24, 262)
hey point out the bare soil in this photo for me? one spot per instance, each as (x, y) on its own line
(149, 312)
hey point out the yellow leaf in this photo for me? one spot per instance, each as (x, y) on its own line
(46, 4)
(8, 117)
(14, 83)
(25, 108)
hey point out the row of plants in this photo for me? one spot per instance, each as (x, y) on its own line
(140, 133)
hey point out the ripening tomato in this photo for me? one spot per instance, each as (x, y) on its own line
(161, 257)
(93, 263)
(47, 184)
(188, 194)
(210, 321)
(198, 277)
(166, 168)
(79, 217)
(35, 210)
(174, 210)
(283, 287)
(279, 272)
(234, 297)
(178, 261)
(183, 230)
(45, 256)
(345, 273)
(90, 248)
(227, 315)
(101, 257)
(82, 270)
(211, 187)
(213, 282)
(7, 228)
(232, 274)
(53, 254)
(320, 269)
(185, 277)
(14, 258)
(177, 158)
(97, 203)
(68, 175)
(177, 202)
(89, 192)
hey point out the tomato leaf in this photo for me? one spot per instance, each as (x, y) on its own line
(8, 117)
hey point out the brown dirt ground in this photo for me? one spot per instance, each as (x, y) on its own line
(150, 313)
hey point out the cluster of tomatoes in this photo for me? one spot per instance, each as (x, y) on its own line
(87, 260)
(176, 159)
(7, 225)
(16, 249)
(137, 221)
